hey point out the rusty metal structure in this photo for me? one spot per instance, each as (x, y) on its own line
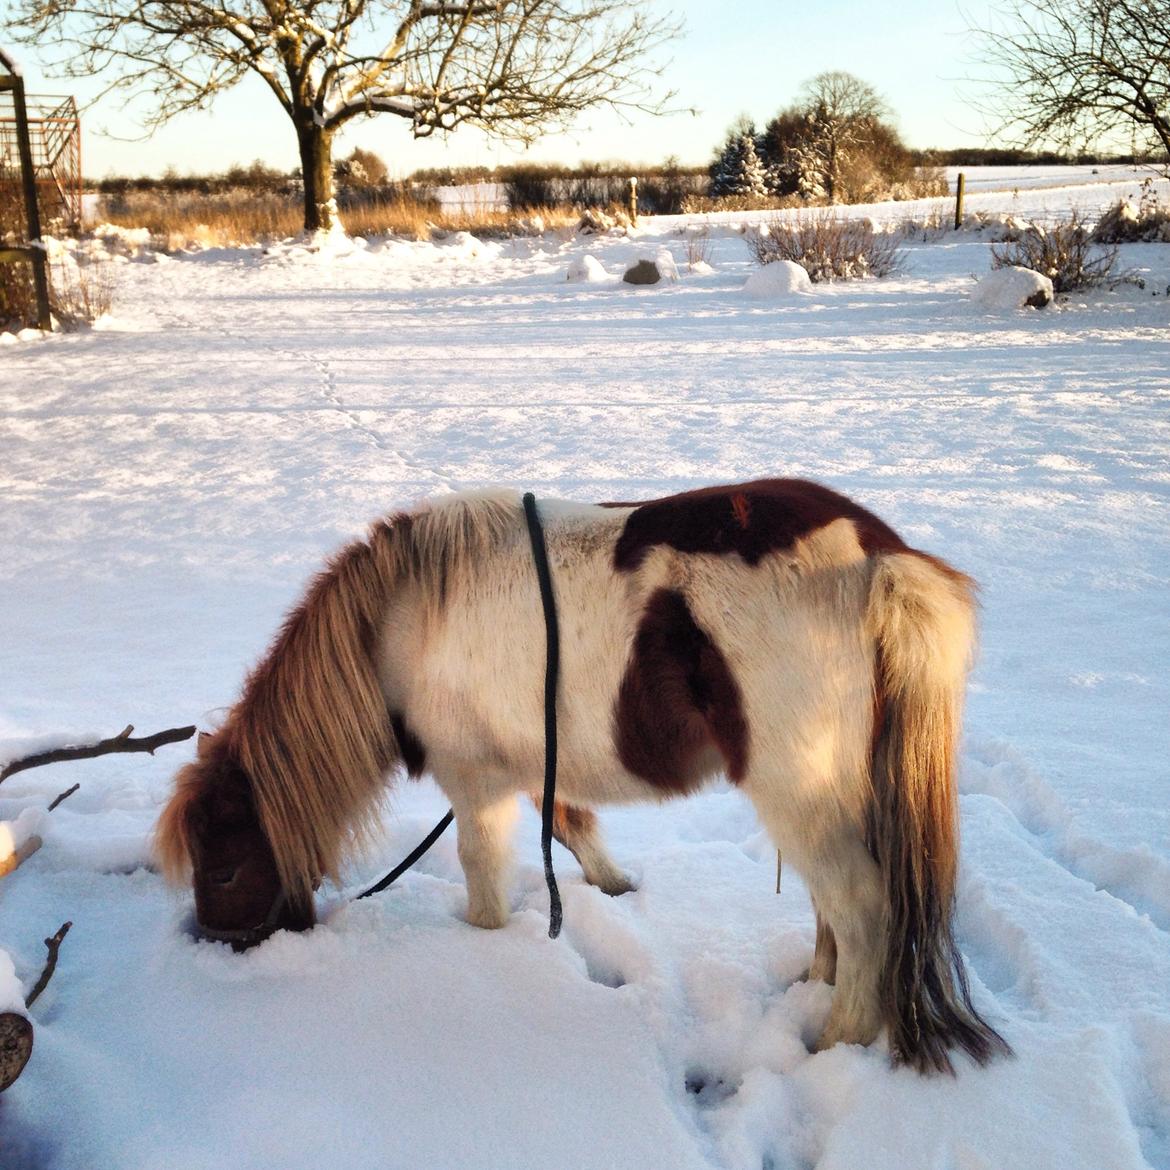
(54, 130)
(40, 176)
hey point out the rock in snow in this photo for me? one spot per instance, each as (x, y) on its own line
(642, 272)
(1013, 288)
(781, 278)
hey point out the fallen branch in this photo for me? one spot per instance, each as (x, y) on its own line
(118, 743)
(64, 796)
(54, 945)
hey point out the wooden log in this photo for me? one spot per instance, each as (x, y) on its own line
(16, 858)
(16, 1043)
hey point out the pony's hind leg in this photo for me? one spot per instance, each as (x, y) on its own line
(824, 964)
(827, 847)
(485, 852)
(576, 829)
(847, 890)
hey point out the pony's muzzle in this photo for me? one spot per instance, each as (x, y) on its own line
(279, 917)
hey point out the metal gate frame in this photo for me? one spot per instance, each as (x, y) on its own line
(33, 251)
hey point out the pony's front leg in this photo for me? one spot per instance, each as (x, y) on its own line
(485, 852)
(576, 829)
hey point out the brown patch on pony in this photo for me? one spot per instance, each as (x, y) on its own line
(172, 833)
(678, 703)
(569, 820)
(414, 755)
(752, 520)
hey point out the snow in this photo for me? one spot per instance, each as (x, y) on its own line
(781, 278)
(586, 269)
(172, 481)
(1012, 288)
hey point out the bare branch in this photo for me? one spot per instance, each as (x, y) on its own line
(63, 797)
(54, 945)
(1075, 72)
(118, 743)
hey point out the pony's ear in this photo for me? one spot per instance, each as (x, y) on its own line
(203, 744)
(172, 834)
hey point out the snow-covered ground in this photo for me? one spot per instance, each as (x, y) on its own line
(171, 479)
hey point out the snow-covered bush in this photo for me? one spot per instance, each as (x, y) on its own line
(1064, 252)
(827, 248)
(1123, 223)
(1013, 288)
(586, 270)
(781, 278)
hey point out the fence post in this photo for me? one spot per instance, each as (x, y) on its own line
(633, 201)
(960, 188)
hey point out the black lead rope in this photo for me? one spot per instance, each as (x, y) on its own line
(552, 663)
(415, 854)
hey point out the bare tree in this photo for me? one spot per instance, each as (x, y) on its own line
(1072, 72)
(510, 67)
(843, 112)
(834, 142)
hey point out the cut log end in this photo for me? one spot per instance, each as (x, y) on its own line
(16, 1042)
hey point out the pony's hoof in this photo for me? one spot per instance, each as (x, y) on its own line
(821, 972)
(617, 886)
(487, 917)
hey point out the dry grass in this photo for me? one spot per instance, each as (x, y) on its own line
(239, 219)
(826, 247)
(698, 242)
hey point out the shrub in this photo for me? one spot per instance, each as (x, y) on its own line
(1065, 253)
(363, 168)
(826, 247)
(18, 302)
(698, 244)
(80, 293)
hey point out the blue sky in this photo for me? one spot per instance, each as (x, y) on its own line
(747, 57)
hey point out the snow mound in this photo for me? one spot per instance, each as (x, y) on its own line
(586, 270)
(1013, 288)
(468, 247)
(781, 278)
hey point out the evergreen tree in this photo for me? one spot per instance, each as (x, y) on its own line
(737, 170)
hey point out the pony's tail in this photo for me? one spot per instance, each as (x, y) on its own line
(922, 616)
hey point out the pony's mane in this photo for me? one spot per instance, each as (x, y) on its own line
(311, 729)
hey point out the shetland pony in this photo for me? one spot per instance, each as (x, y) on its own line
(774, 631)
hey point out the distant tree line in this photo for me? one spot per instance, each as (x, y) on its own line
(992, 156)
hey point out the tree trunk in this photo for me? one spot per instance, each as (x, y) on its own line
(316, 147)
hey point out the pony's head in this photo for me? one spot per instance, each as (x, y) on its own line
(211, 831)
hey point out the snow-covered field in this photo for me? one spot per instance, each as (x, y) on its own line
(170, 480)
